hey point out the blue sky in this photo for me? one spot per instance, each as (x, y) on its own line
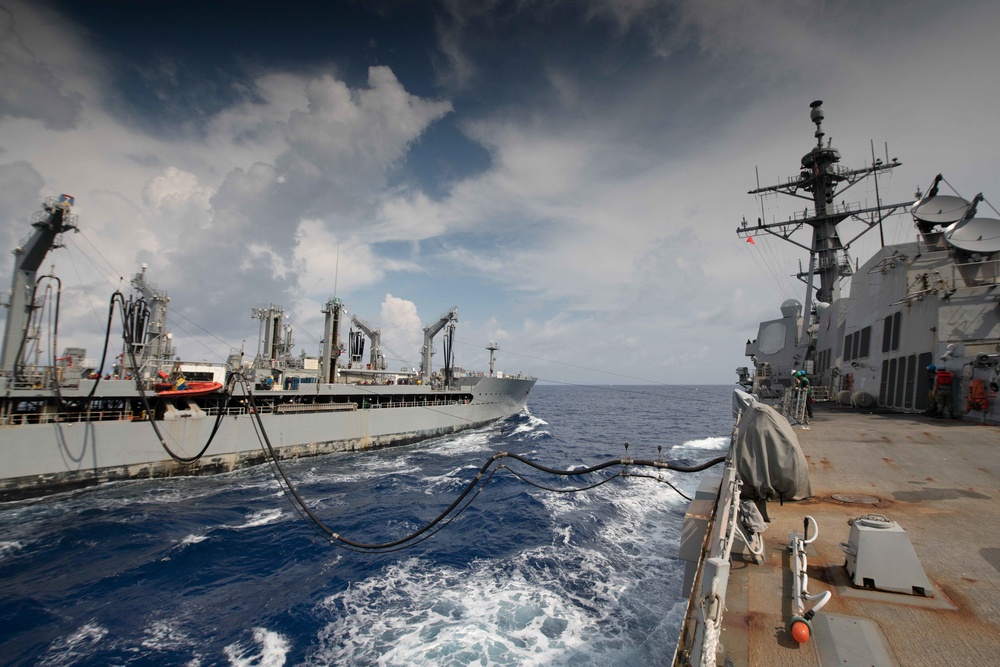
(569, 174)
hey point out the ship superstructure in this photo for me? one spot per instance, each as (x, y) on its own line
(882, 562)
(932, 302)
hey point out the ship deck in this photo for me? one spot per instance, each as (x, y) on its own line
(940, 481)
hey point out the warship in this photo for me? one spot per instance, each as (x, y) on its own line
(65, 423)
(875, 548)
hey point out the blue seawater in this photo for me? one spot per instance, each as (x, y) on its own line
(222, 571)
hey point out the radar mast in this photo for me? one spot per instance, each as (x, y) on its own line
(820, 180)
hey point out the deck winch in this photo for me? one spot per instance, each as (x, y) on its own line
(880, 556)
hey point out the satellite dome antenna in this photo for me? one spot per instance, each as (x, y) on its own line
(817, 116)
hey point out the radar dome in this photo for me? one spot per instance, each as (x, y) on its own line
(791, 308)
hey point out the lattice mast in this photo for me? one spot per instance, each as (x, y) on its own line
(821, 180)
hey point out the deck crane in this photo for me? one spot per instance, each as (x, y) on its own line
(49, 224)
(376, 358)
(448, 319)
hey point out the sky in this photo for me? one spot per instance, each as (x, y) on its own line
(569, 174)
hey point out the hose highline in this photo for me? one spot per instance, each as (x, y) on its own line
(490, 466)
(665, 465)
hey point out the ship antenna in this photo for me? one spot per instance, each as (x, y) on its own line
(878, 200)
(760, 221)
(336, 271)
(817, 117)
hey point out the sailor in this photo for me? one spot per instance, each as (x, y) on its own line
(802, 382)
(931, 410)
(941, 392)
(180, 384)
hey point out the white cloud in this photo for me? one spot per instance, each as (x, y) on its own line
(361, 132)
(602, 230)
(402, 328)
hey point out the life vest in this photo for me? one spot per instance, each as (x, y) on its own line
(944, 378)
(977, 396)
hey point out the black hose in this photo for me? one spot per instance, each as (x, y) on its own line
(411, 539)
(624, 462)
(130, 349)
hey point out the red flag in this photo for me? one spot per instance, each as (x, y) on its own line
(750, 240)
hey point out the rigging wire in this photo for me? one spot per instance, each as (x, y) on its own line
(113, 270)
(81, 283)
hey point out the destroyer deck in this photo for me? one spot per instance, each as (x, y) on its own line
(940, 480)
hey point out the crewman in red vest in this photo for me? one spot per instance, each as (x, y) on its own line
(941, 392)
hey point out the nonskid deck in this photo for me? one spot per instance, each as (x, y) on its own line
(940, 480)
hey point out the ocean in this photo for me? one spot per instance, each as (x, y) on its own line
(221, 570)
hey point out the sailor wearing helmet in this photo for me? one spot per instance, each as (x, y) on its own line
(802, 382)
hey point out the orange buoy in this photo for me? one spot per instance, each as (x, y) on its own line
(800, 631)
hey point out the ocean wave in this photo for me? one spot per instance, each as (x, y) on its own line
(573, 601)
(454, 480)
(720, 442)
(463, 443)
(413, 613)
(74, 648)
(9, 548)
(532, 428)
(162, 636)
(260, 518)
(271, 650)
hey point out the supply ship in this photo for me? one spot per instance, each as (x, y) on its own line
(66, 422)
(861, 533)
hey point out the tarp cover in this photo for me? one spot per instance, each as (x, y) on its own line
(769, 459)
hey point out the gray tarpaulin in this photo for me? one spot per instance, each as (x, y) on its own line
(768, 457)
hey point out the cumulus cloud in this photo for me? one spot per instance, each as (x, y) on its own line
(402, 329)
(361, 132)
(621, 141)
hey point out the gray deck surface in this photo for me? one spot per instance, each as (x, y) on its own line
(940, 480)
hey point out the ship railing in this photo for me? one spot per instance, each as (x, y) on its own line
(42, 377)
(831, 209)
(436, 402)
(793, 404)
(976, 274)
(701, 629)
(26, 418)
(300, 408)
(315, 407)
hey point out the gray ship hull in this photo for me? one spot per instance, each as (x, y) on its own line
(49, 453)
